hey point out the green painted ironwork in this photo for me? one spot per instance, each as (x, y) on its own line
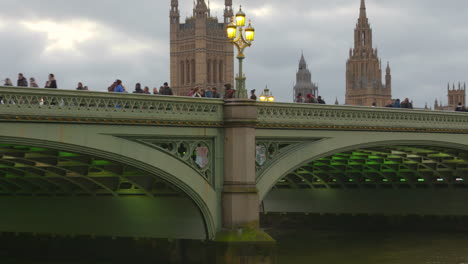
(47, 172)
(184, 149)
(390, 167)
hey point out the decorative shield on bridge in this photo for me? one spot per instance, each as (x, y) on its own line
(261, 157)
(202, 156)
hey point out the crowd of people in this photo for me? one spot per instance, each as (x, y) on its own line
(310, 99)
(198, 92)
(398, 104)
(23, 82)
(118, 87)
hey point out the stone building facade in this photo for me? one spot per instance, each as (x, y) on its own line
(201, 54)
(455, 96)
(364, 69)
(304, 84)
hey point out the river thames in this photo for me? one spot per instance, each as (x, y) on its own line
(327, 245)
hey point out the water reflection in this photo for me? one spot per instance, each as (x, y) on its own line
(309, 246)
(295, 246)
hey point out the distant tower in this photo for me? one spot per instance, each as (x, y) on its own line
(364, 70)
(304, 84)
(456, 96)
(201, 54)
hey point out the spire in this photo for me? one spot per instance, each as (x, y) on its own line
(336, 101)
(388, 68)
(302, 63)
(363, 10)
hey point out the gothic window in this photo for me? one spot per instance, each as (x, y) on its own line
(363, 38)
(208, 72)
(193, 71)
(182, 72)
(214, 71)
(221, 72)
(187, 66)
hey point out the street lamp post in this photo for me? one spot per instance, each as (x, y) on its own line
(267, 96)
(235, 32)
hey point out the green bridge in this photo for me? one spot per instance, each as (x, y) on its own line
(124, 165)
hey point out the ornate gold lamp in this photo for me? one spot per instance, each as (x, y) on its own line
(235, 32)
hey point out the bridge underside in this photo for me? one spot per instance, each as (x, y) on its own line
(392, 180)
(50, 191)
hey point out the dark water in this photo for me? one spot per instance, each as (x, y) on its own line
(343, 245)
(302, 246)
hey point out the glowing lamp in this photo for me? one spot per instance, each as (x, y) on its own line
(250, 33)
(271, 99)
(231, 31)
(240, 18)
(263, 98)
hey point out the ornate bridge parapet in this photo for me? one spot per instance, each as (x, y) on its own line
(50, 105)
(306, 116)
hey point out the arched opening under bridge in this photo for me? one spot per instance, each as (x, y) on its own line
(54, 191)
(387, 180)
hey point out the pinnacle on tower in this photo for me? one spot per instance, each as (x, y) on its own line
(228, 13)
(363, 10)
(201, 9)
(302, 62)
(174, 14)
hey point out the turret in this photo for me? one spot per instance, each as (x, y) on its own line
(388, 77)
(201, 9)
(228, 13)
(174, 13)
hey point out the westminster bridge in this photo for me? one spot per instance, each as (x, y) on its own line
(126, 165)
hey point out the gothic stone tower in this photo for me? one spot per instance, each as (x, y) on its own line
(201, 54)
(456, 96)
(364, 69)
(304, 83)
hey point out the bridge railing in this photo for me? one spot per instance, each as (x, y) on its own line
(52, 104)
(34, 104)
(313, 116)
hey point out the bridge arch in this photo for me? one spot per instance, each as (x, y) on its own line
(149, 160)
(329, 146)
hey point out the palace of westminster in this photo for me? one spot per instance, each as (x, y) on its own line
(202, 56)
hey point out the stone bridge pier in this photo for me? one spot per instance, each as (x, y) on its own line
(241, 240)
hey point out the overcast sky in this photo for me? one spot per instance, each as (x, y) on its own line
(97, 41)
